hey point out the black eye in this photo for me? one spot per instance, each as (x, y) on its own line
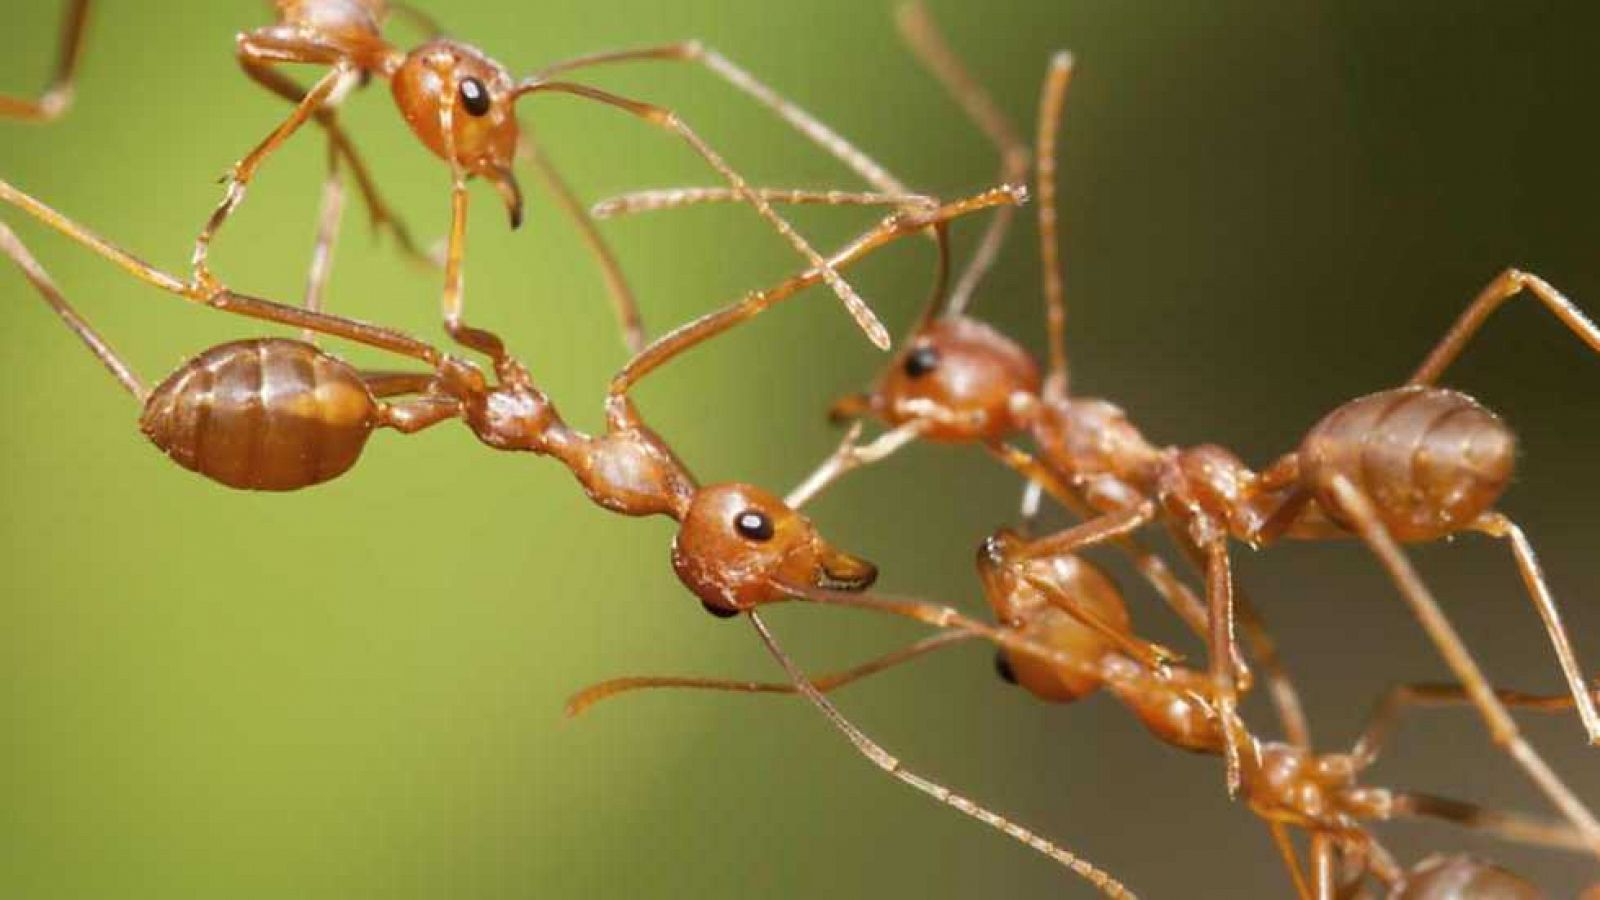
(474, 97)
(753, 525)
(921, 360)
(1002, 667)
(720, 612)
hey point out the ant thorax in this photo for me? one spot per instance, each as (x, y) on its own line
(1092, 443)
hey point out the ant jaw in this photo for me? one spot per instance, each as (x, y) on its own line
(510, 191)
(839, 571)
(852, 407)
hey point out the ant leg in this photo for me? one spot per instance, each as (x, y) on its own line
(928, 44)
(1506, 826)
(1322, 861)
(327, 235)
(1505, 286)
(1385, 716)
(244, 170)
(891, 765)
(259, 67)
(13, 247)
(1051, 101)
(669, 120)
(1087, 534)
(1502, 728)
(803, 122)
(710, 325)
(1497, 525)
(58, 96)
(398, 384)
(1224, 652)
(627, 307)
(1263, 648)
(1291, 859)
(662, 199)
(585, 699)
(1154, 569)
(265, 310)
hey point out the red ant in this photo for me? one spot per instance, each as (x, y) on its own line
(55, 100)
(279, 414)
(1285, 784)
(1410, 464)
(460, 104)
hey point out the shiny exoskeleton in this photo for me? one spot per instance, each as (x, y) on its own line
(265, 415)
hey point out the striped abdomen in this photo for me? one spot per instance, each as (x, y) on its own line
(1431, 460)
(264, 415)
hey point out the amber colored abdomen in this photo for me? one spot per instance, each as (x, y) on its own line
(263, 415)
(1431, 460)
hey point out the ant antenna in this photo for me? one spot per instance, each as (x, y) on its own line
(881, 758)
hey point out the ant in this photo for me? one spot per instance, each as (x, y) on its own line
(1285, 784)
(459, 103)
(57, 98)
(280, 414)
(1405, 465)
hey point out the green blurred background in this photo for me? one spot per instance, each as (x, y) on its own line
(356, 691)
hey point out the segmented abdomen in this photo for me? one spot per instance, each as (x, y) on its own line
(265, 415)
(1431, 460)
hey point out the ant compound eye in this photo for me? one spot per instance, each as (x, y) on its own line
(921, 360)
(474, 97)
(754, 525)
(1002, 667)
(721, 612)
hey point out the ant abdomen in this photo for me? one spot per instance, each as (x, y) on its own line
(263, 415)
(1462, 878)
(1431, 460)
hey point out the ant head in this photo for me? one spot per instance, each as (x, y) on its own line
(1027, 596)
(959, 376)
(447, 77)
(739, 546)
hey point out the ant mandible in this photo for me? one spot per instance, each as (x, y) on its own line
(1410, 464)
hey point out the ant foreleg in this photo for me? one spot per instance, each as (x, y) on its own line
(692, 334)
(379, 212)
(243, 171)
